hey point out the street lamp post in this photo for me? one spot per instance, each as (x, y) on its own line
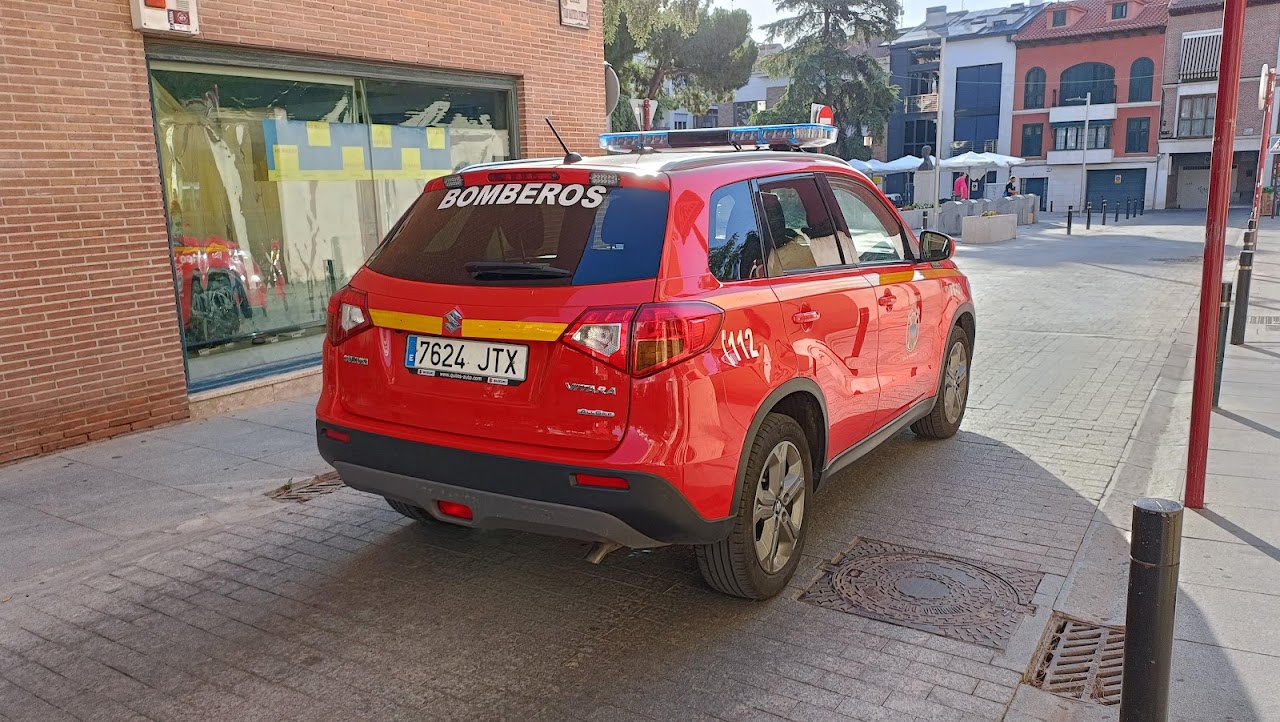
(1084, 153)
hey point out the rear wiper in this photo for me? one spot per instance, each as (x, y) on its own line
(498, 270)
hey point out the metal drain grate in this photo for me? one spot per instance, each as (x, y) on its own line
(1183, 259)
(1082, 661)
(308, 490)
(970, 601)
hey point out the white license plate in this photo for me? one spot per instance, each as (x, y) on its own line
(504, 364)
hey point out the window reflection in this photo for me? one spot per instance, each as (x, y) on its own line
(279, 185)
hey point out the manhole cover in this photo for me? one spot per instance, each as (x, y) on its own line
(308, 490)
(1081, 661)
(1183, 259)
(965, 600)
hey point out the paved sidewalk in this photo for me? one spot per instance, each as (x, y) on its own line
(1227, 653)
(148, 578)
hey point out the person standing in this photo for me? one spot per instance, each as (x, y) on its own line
(961, 190)
(1011, 188)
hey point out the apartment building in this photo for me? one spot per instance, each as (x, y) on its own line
(1189, 87)
(979, 80)
(1087, 112)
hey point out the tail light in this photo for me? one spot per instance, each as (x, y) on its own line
(348, 315)
(667, 333)
(645, 340)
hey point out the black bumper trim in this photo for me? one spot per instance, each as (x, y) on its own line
(518, 493)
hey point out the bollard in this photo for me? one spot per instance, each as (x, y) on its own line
(1224, 311)
(1051, 206)
(1088, 214)
(926, 219)
(1104, 211)
(1142, 206)
(1069, 209)
(1153, 595)
(1244, 278)
(1128, 203)
(1117, 212)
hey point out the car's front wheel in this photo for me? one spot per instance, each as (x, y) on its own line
(953, 391)
(761, 553)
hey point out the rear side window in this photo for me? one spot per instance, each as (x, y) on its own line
(801, 233)
(563, 235)
(734, 243)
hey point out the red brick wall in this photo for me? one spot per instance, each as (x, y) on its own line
(1260, 28)
(89, 338)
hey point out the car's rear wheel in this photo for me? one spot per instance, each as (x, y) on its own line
(761, 553)
(415, 513)
(953, 392)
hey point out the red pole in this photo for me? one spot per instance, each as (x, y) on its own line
(1215, 237)
(1270, 80)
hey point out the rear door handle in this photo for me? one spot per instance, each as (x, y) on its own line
(806, 316)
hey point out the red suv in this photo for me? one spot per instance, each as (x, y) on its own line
(644, 349)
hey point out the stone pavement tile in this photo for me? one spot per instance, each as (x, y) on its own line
(261, 441)
(248, 482)
(1229, 566)
(32, 541)
(191, 465)
(1228, 618)
(305, 458)
(1251, 525)
(1035, 705)
(1241, 492)
(125, 451)
(79, 489)
(294, 414)
(19, 704)
(1212, 683)
(140, 512)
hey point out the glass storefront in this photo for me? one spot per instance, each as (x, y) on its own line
(279, 184)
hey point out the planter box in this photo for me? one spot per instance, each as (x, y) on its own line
(913, 219)
(988, 229)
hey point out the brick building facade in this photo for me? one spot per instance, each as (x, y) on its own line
(1190, 87)
(1106, 55)
(255, 163)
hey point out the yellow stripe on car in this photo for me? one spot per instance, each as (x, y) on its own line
(471, 328)
(513, 330)
(433, 325)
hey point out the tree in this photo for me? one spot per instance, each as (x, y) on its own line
(828, 63)
(703, 54)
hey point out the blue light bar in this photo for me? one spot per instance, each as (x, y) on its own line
(798, 135)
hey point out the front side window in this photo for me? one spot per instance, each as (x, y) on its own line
(1196, 115)
(801, 233)
(873, 236)
(1032, 140)
(735, 252)
(1137, 135)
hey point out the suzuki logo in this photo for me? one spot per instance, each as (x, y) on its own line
(453, 321)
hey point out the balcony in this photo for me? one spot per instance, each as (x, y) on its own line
(1102, 95)
(1075, 113)
(927, 103)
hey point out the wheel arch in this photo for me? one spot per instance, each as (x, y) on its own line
(800, 398)
(965, 318)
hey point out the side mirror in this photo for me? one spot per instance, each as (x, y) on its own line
(935, 246)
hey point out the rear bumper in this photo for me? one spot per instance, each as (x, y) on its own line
(511, 493)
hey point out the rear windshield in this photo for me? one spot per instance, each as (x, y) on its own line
(527, 234)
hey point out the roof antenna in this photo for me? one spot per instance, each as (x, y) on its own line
(569, 156)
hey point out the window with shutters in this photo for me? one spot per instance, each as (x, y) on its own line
(1141, 77)
(1137, 138)
(1033, 90)
(1032, 140)
(1198, 59)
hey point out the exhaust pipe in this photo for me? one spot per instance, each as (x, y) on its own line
(600, 550)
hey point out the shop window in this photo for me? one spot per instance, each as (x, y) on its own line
(279, 185)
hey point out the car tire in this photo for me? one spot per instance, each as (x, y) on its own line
(415, 513)
(747, 563)
(953, 390)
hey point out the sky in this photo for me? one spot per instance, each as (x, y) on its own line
(762, 10)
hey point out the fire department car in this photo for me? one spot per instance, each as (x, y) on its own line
(662, 346)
